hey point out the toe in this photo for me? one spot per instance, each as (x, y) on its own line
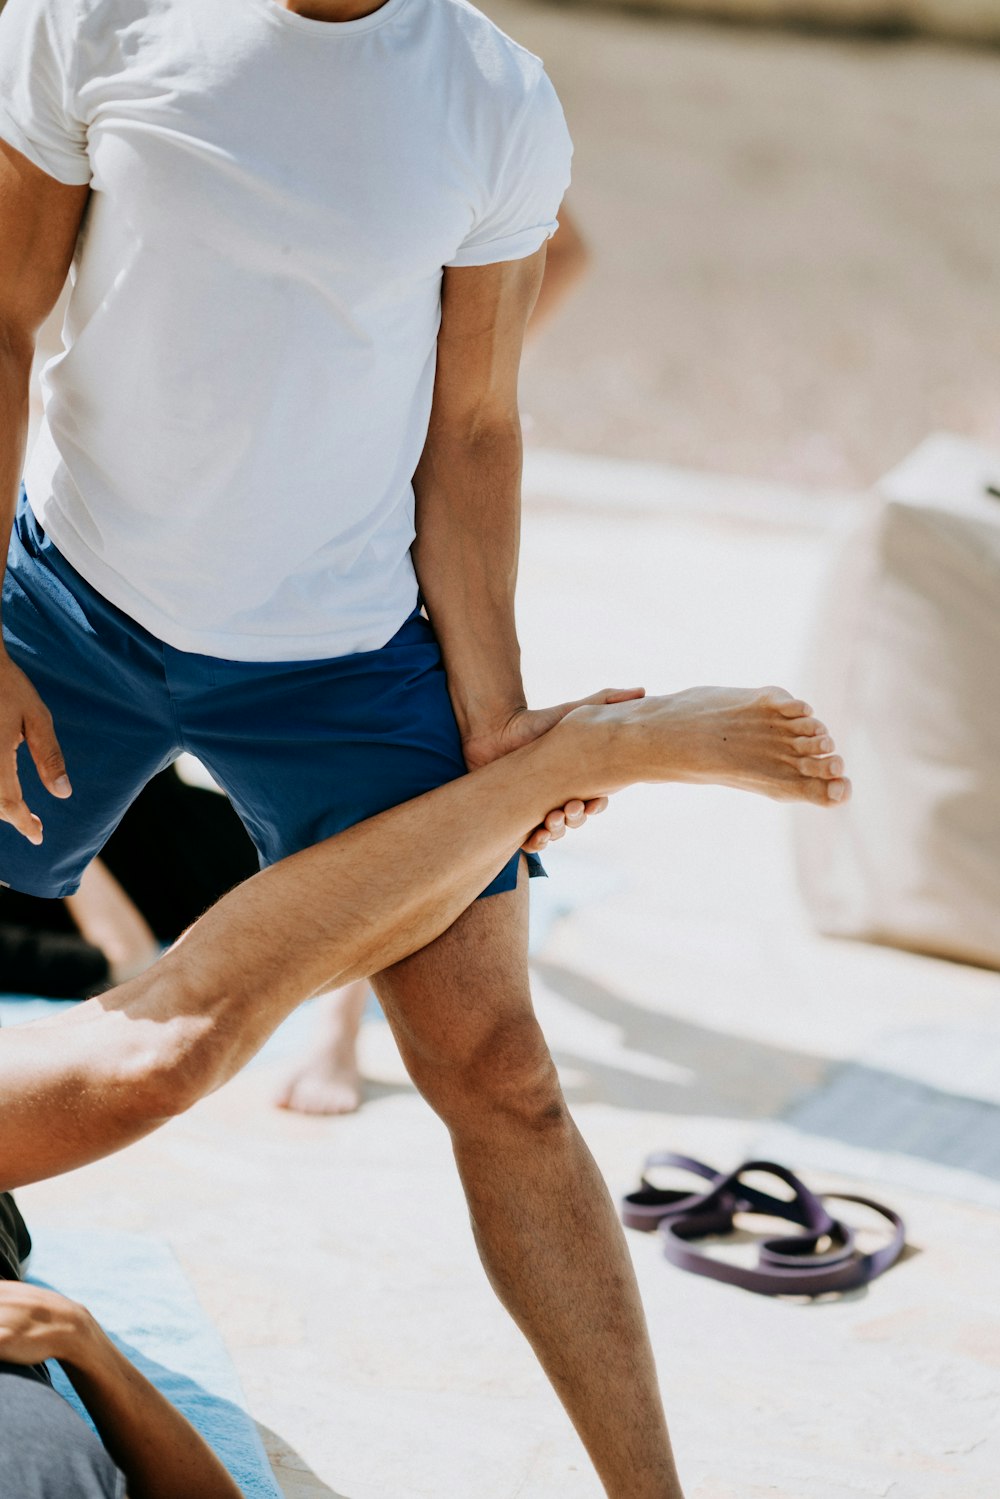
(790, 707)
(813, 745)
(807, 727)
(827, 793)
(823, 768)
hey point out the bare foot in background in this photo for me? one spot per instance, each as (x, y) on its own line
(327, 1080)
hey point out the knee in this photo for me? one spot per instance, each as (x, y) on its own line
(504, 1072)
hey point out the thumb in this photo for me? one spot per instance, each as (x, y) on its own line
(44, 746)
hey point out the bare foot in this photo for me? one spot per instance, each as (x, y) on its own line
(327, 1081)
(324, 1084)
(761, 740)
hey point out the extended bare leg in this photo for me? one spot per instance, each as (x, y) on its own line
(79, 1087)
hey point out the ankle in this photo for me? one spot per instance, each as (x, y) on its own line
(595, 749)
(606, 752)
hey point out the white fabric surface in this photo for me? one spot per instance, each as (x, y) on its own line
(904, 668)
(230, 436)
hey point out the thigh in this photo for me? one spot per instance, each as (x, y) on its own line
(305, 750)
(102, 680)
(466, 991)
(46, 1451)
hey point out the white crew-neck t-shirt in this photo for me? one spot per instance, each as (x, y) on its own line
(230, 436)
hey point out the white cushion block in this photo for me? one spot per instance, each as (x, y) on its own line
(905, 668)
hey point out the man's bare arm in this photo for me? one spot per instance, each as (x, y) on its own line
(468, 489)
(160, 1453)
(39, 223)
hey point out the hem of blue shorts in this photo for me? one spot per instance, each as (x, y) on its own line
(506, 878)
(60, 893)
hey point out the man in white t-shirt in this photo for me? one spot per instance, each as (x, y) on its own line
(305, 239)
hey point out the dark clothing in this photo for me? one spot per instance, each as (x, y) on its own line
(175, 852)
(15, 1246)
(37, 957)
(46, 1451)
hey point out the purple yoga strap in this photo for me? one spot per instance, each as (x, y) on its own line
(787, 1266)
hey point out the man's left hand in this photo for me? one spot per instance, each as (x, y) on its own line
(524, 726)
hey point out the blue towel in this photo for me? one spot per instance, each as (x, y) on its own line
(140, 1295)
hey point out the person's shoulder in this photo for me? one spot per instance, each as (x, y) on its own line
(498, 62)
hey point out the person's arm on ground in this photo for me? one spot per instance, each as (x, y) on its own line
(468, 494)
(565, 266)
(160, 1453)
(39, 222)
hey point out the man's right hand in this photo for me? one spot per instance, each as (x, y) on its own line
(25, 718)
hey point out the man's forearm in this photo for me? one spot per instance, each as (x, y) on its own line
(468, 489)
(160, 1453)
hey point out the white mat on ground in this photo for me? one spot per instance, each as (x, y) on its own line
(141, 1296)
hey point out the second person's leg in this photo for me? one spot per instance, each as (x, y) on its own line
(75, 1089)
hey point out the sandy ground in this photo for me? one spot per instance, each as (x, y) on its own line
(796, 261)
(687, 1004)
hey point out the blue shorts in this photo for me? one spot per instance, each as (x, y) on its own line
(303, 749)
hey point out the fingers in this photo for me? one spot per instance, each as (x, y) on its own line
(45, 751)
(43, 746)
(562, 819)
(13, 808)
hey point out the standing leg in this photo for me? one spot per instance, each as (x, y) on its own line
(544, 1223)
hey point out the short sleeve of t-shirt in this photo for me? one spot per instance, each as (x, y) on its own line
(533, 178)
(37, 105)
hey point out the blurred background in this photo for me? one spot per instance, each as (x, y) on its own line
(796, 257)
